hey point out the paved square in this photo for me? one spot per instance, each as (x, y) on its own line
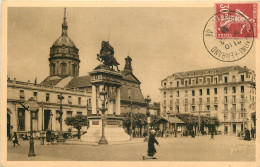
(201, 148)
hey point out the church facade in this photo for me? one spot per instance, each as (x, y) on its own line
(64, 79)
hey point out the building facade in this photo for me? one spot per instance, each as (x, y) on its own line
(227, 93)
(75, 102)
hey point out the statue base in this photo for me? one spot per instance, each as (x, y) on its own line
(114, 131)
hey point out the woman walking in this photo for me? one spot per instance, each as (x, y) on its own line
(15, 139)
(151, 149)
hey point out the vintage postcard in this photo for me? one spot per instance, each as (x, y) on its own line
(130, 83)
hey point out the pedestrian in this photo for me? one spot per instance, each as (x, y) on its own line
(212, 132)
(48, 137)
(253, 132)
(192, 134)
(247, 134)
(151, 149)
(52, 136)
(15, 139)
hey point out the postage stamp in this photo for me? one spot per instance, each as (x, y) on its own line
(229, 34)
(236, 20)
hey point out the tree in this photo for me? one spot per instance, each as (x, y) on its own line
(139, 120)
(191, 120)
(77, 122)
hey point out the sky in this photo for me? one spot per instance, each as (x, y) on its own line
(160, 41)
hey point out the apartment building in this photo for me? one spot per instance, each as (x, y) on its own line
(227, 93)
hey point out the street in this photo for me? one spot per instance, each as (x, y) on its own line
(201, 148)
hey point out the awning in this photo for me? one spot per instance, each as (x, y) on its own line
(175, 120)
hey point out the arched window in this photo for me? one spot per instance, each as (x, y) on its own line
(74, 69)
(63, 68)
(53, 69)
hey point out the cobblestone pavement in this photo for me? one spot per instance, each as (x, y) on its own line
(201, 148)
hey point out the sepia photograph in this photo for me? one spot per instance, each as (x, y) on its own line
(146, 82)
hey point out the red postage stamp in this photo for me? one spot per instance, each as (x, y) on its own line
(235, 20)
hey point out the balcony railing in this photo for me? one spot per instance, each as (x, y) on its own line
(208, 102)
(215, 102)
(225, 110)
(193, 103)
(234, 101)
(200, 102)
(242, 100)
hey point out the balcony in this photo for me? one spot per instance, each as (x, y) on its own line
(185, 103)
(208, 102)
(215, 102)
(234, 101)
(199, 102)
(177, 103)
(225, 110)
(193, 103)
(242, 100)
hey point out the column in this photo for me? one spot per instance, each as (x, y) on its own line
(27, 120)
(40, 118)
(94, 99)
(118, 101)
(110, 103)
(53, 120)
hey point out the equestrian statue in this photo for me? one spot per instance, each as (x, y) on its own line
(106, 55)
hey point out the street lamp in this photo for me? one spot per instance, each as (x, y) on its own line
(103, 139)
(61, 139)
(243, 113)
(147, 100)
(168, 114)
(175, 125)
(131, 116)
(51, 114)
(42, 132)
(32, 106)
(31, 149)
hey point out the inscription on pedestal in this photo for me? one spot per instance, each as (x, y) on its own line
(95, 122)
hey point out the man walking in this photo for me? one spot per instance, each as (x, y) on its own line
(15, 139)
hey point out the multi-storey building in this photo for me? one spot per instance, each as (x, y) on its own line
(75, 102)
(227, 93)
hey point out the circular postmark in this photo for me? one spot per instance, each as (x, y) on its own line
(230, 48)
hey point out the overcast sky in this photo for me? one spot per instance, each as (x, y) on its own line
(161, 41)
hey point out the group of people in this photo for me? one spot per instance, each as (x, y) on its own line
(249, 136)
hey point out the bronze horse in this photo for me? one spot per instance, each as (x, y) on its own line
(107, 55)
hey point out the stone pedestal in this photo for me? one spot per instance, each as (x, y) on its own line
(113, 130)
(104, 79)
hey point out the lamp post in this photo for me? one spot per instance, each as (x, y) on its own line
(32, 106)
(60, 139)
(199, 123)
(175, 125)
(243, 113)
(148, 99)
(42, 132)
(103, 109)
(131, 116)
(31, 149)
(51, 114)
(168, 114)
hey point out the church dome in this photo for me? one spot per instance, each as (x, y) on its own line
(64, 40)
